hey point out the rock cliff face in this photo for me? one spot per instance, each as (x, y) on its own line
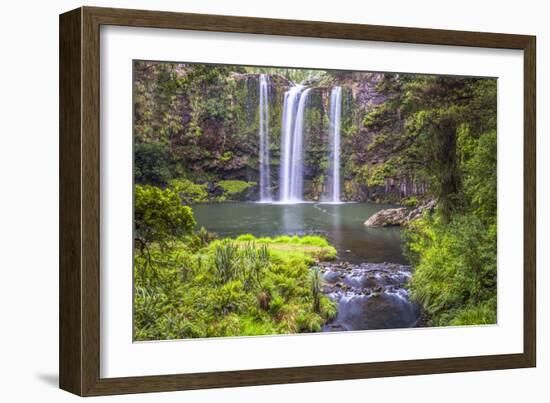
(360, 97)
(210, 119)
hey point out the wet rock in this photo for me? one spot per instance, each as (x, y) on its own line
(332, 276)
(399, 216)
(370, 296)
(387, 217)
(416, 213)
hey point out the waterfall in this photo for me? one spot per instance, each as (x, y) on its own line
(265, 168)
(289, 107)
(334, 156)
(292, 144)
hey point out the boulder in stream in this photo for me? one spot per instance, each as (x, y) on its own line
(399, 216)
(388, 217)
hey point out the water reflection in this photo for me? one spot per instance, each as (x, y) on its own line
(291, 219)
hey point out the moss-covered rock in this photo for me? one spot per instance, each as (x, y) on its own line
(235, 190)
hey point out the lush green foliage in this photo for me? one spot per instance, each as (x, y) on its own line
(192, 122)
(454, 251)
(159, 216)
(188, 284)
(229, 190)
(305, 246)
(189, 192)
(455, 266)
(234, 189)
(196, 140)
(428, 128)
(227, 288)
(152, 163)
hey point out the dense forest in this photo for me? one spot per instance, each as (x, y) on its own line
(410, 140)
(448, 138)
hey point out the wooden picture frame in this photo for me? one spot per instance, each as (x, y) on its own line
(79, 348)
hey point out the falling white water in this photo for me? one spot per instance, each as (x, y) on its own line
(292, 145)
(287, 128)
(334, 158)
(265, 169)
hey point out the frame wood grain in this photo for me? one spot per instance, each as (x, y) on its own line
(79, 201)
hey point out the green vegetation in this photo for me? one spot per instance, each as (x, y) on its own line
(408, 139)
(448, 141)
(411, 201)
(159, 216)
(283, 246)
(189, 192)
(294, 75)
(188, 284)
(234, 189)
(455, 269)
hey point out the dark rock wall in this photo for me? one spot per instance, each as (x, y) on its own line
(210, 117)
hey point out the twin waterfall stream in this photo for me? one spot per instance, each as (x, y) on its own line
(291, 172)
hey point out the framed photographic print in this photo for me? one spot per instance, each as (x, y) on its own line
(249, 201)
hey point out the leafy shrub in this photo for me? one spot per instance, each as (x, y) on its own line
(227, 156)
(205, 237)
(225, 260)
(309, 322)
(329, 309)
(482, 314)
(234, 189)
(152, 163)
(189, 192)
(455, 266)
(480, 174)
(377, 174)
(159, 215)
(315, 280)
(276, 305)
(410, 201)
